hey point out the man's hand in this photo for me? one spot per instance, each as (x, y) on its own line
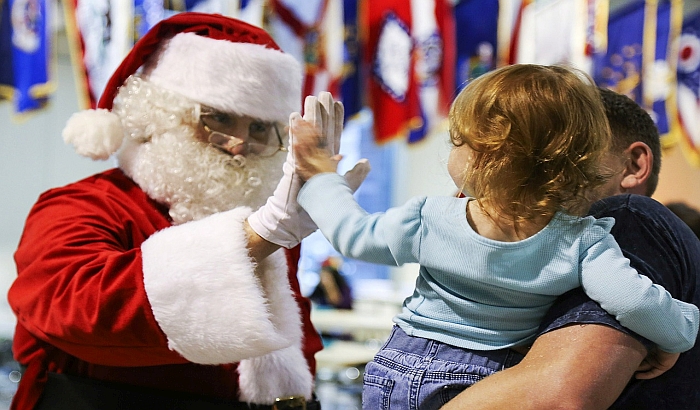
(655, 364)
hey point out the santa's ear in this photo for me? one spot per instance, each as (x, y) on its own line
(637, 168)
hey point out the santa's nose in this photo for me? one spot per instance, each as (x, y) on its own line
(232, 145)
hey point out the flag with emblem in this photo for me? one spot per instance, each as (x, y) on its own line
(312, 32)
(640, 61)
(663, 23)
(223, 7)
(147, 13)
(100, 34)
(7, 77)
(392, 89)
(433, 34)
(28, 54)
(250, 11)
(476, 38)
(557, 32)
(688, 75)
(351, 83)
(619, 68)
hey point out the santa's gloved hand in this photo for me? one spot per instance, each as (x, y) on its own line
(281, 220)
(333, 128)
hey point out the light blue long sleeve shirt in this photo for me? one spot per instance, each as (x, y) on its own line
(482, 294)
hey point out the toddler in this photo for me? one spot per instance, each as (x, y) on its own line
(529, 142)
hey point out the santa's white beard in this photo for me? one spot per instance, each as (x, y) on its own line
(196, 180)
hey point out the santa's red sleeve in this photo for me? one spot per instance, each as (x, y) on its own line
(103, 276)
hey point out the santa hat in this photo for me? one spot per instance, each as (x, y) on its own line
(215, 60)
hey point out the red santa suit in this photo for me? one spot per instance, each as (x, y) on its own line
(83, 308)
(108, 289)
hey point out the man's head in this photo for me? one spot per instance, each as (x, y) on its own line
(200, 105)
(635, 156)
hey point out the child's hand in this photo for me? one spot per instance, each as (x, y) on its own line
(655, 364)
(310, 148)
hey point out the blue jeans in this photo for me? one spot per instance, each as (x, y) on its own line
(416, 373)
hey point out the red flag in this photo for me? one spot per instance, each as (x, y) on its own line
(393, 92)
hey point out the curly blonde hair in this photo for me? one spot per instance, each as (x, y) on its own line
(538, 136)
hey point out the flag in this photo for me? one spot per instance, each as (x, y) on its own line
(509, 14)
(172, 7)
(311, 31)
(147, 13)
(619, 68)
(557, 32)
(688, 75)
(27, 54)
(7, 77)
(433, 35)
(250, 11)
(476, 23)
(100, 34)
(641, 56)
(392, 89)
(596, 32)
(351, 83)
(663, 24)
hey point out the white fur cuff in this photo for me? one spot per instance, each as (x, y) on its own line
(206, 294)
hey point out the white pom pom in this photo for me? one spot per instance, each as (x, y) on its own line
(96, 134)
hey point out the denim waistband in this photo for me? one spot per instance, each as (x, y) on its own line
(420, 347)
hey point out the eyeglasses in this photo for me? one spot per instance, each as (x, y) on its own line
(263, 140)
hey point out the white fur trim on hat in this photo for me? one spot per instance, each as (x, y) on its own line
(243, 78)
(96, 134)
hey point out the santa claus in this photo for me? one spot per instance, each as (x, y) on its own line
(161, 283)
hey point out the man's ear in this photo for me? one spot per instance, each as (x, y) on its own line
(637, 168)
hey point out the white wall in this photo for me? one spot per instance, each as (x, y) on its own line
(421, 169)
(33, 158)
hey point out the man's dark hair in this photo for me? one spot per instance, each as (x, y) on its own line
(630, 123)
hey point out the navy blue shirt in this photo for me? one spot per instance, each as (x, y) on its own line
(662, 247)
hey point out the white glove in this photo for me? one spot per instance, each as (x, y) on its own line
(281, 220)
(333, 115)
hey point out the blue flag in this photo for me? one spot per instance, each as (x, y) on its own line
(7, 78)
(638, 62)
(620, 68)
(351, 89)
(147, 13)
(476, 23)
(30, 53)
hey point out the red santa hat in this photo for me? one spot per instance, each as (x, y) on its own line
(215, 60)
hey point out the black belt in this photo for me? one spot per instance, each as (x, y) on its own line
(67, 392)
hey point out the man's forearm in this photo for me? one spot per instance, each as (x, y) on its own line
(258, 247)
(577, 366)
